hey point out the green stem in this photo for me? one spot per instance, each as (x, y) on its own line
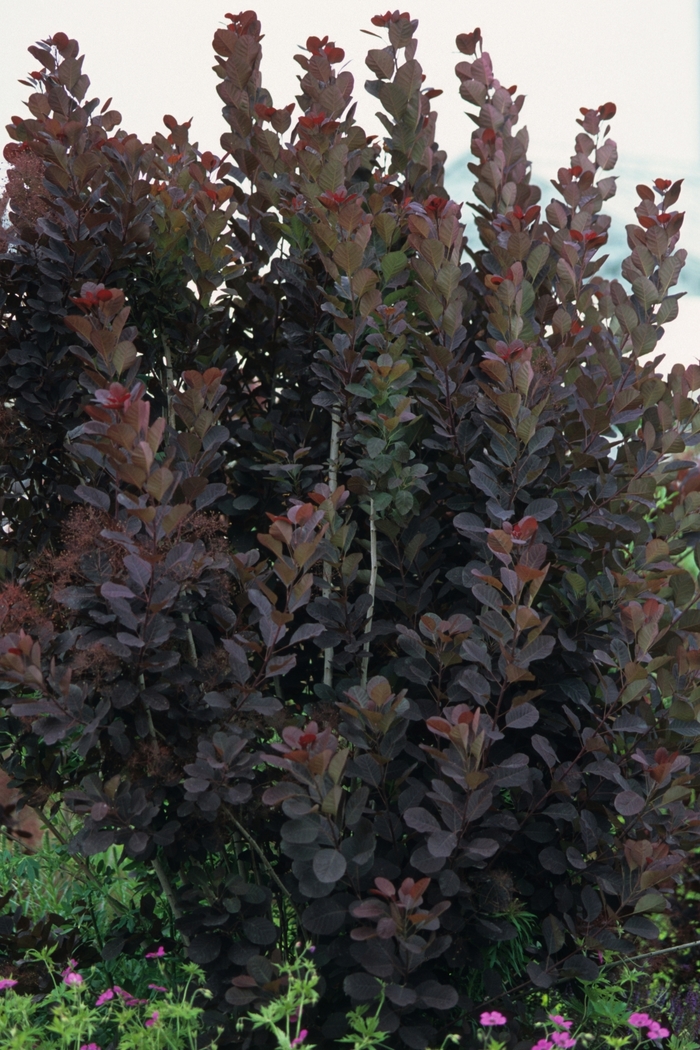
(253, 844)
(169, 894)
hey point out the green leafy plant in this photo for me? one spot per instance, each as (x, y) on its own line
(70, 1018)
(49, 879)
(283, 1016)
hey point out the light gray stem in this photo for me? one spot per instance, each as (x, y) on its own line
(334, 450)
(190, 641)
(659, 951)
(169, 380)
(327, 567)
(372, 587)
(149, 716)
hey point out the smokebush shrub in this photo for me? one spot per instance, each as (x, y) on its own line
(359, 602)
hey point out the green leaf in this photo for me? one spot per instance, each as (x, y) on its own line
(668, 310)
(646, 291)
(348, 256)
(536, 259)
(214, 223)
(650, 902)
(644, 339)
(159, 482)
(576, 582)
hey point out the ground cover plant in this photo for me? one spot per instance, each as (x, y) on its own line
(71, 1017)
(350, 584)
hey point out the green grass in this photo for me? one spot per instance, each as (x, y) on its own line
(50, 880)
(91, 891)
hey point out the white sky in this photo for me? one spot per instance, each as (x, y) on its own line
(156, 58)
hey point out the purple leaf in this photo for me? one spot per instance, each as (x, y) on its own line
(116, 590)
(210, 493)
(280, 665)
(329, 865)
(442, 843)
(420, 819)
(629, 803)
(522, 717)
(543, 747)
(307, 630)
(95, 497)
(437, 996)
(139, 570)
(481, 849)
(553, 860)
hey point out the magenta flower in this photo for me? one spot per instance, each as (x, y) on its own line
(152, 1019)
(300, 1038)
(89, 1046)
(543, 1044)
(559, 1020)
(562, 1039)
(655, 1031)
(492, 1017)
(639, 1020)
(70, 977)
(105, 997)
(7, 982)
(157, 988)
(129, 999)
(157, 954)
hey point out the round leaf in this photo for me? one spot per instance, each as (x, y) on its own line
(629, 803)
(329, 865)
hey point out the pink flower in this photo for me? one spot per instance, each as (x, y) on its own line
(6, 982)
(562, 1039)
(639, 1020)
(152, 1019)
(559, 1020)
(89, 1046)
(655, 1031)
(129, 999)
(300, 1038)
(157, 988)
(72, 979)
(543, 1044)
(492, 1018)
(105, 997)
(157, 954)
